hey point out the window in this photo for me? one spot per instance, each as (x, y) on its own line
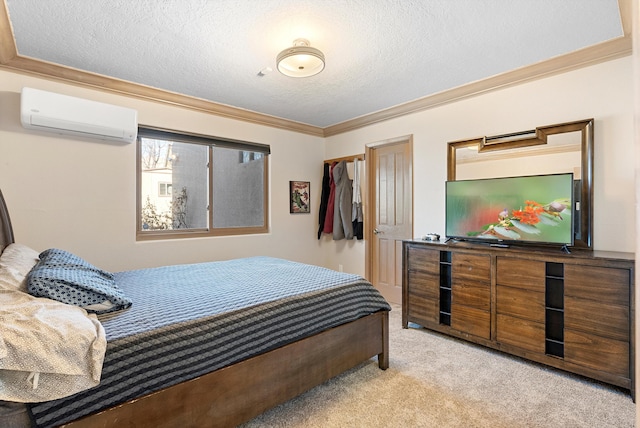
(164, 189)
(192, 185)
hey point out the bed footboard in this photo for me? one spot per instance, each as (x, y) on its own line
(238, 393)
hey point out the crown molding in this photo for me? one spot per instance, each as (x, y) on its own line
(86, 79)
(609, 50)
(12, 61)
(602, 52)
(606, 51)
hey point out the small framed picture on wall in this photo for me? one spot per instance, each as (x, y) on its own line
(299, 197)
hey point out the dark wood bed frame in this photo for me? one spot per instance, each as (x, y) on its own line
(237, 393)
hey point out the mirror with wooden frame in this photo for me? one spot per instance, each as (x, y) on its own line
(565, 147)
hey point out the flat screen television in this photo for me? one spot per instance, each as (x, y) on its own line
(534, 209)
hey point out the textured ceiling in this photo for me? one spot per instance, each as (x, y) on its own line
(379, 53)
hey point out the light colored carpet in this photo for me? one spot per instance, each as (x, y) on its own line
(437, 381)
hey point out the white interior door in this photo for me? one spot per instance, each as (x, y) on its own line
(391, 216)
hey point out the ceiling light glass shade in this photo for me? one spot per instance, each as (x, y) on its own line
(301, 60)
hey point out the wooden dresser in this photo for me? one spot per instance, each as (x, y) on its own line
(570, 311)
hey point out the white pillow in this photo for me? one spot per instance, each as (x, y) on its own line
(15, 263)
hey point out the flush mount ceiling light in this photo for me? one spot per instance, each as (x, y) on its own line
(301, 60)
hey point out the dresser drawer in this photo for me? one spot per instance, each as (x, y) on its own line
(603, 319)
(423, 310)
(604, 285)
(471, 320)
(424, 284)
(596, 352)
(521, 333)
(520, 273)
(526, 304)
(424, 259)
(471, 293)
(470, 267)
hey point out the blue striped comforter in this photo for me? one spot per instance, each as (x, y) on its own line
(188, 320)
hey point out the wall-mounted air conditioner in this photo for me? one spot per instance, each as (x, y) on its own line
(62, 114)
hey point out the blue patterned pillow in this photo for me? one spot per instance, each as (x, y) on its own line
(65, 277)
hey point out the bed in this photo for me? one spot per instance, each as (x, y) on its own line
(218, 359)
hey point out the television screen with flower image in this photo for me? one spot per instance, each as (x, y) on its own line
(528, 209)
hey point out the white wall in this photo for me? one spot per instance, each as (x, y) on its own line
(80, 195)
(602, 92)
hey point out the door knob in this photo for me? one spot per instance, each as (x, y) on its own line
(376, 231)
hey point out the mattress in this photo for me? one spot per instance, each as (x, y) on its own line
(189, 320)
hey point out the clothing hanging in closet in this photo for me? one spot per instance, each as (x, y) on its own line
(343, 203)
(328, 218)
(324, 199)
(356, 216)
